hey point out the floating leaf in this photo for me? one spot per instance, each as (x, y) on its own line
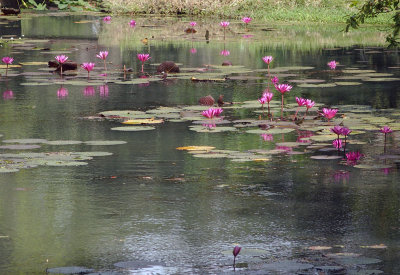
(63, 142)
(20, 146)
(358, 260)
(143, 121)
(105, 142)
(372, 166)
(376, 246)
(320, 247)
(26, 140)
(133, 128)
(348, 83)
(196, 148)
(325, 85)
(325, 157)
(33, 63)
(381, 79)
(209, 156)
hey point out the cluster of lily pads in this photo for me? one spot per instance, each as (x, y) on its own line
(13, 162)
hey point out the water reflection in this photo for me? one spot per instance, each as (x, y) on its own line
(103, 91)
(62, 92)
(89, 91)
(8, 95)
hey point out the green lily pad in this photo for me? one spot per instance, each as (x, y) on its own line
(8, 170)
(26, 141)
(290, 144)
(272, 131)
(348, 83)
(357, 71)
(105, 142)
(358, 261)
(375, 75)
(325, 157)
(164, 110)
(133, 128)
(62, 163)
(217, 129)
(287, 266)
(63, 142)
(125, 113)
(381, 79)
(20, 146)
(372, 166)
(324, 85)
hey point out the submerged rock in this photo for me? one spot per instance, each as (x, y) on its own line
(168, 67)
(67, 66)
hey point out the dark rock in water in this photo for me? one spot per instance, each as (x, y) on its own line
(67, 66)
(226, 63)
(168, 67)
(70, 270)
(10, 11)
(207, 100)
(190, 30)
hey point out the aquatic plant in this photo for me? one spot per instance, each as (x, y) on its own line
(345, 132)
(337, 143)
(192, 24)
(267, 59)
(224, 24)
(212, 112)
(8, 95)
(283, 88)
(8, 61)
(353, 157)
(275, 80)
(385, 130)
(107, 19)
(88, 67)
(235, 252)
(329, 113)
(132, 23)
(300, 102)
(61, 59)
(332, 64)
(103, 55)
(246, 20)
(225, 52)
(143, 57)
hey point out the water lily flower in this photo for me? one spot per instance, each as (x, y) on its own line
(107, 19)
(224, 24)
(386, 130)
(61, 59)
(353, 157)
(266, 98)
(337, 143)
(132, 23)
(193, 50)
(346, 131)
(337, 130)
(300, 101)
(329, 113)
(309, 104)
(193, 24)
(62, 92)
(88, 67)
(225, 52)
(275, 80)
(283, 88)
(267, 59)
(103, 55)
(8, 61)
(8, 95)
(332, 64)
(212, 112)
(143, 57)
(235, 252)
(246, 20)
(267, 137)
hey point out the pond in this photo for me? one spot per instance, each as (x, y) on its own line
(77, 190)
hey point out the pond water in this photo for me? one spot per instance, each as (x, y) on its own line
(154, 209)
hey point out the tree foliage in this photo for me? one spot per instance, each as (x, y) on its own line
(372, 8)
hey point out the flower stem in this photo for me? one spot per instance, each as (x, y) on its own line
(282, 108)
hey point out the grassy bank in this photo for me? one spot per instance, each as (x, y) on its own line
(324, 11)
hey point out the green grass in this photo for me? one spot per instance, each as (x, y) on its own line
(323, 11)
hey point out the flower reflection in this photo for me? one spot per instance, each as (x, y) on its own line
(386, 171)
(193, 50)
(341, 175)
(353, 158)
(103, 91)
(284, 148)
(8, 95)
(209, 125)
(303, 135)
(62, 93)
(225, 52)
(267, 137)
(247, 36)
(89, 91)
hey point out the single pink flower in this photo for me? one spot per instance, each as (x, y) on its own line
(236, 250)
(107, 19)
(143, 57)
(275, 80)
(224, 24)
(7, 60)
(102, 55)
(337, 143)
(246, 20)
(61, 58)
(267, 59)
(346, 131)
(62, 93)
(332, 64)
(268, 96)
(193, 50)
(262, 100)
(8, 95)
(88, 67)
(301, 101)
(329, 113)
(386, 130)
(103, 90)
(225, 52)
(132, 23)
(337, 130)
(193, 24)
(309, 104)
(283, 88)
(354, 156)
(212, 112)
(89, 91)
(267, 137)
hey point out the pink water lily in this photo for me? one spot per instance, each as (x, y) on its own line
(8, 95)
(212, 112)
(107, 19)
(267, 59)
(275, 80)
(329, 113)
(88, 67)
(224, 24)
(225, 52)
(386, 130)
(132, 23)
(193, 24)
(353, 157)
(266, 98)
(235, 252)
(332, 64)
(346, 131)
(300, 102)
(143, 57)
(8, 61)
(61, 59)
(337, 130)
(283, 88)
(103, 55)
(309, 104)
(246, 20)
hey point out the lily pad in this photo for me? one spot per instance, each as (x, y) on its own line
(287, 266)
(26, 141)
(325, 157)
(347, 83)
(381, 79)
(196, 148)
(63, 142)
(133, 128)
(272, 131)
(210, 156)
(372, 166)
(358, 260)
(20, 146)
(324, 85)
(105, 142)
